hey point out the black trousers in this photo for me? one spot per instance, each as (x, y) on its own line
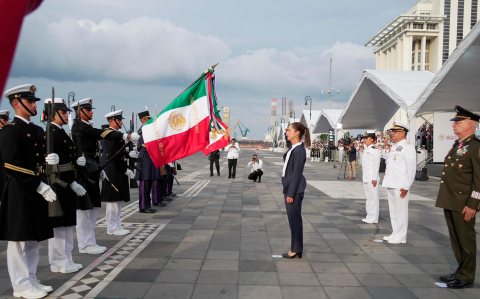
(257, 174)
(232, 167)
(217, 165)
(294, 213)
(144, 198)
(464, 244)
(159, 190)
(169, 185)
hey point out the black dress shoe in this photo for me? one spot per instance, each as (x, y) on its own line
(218, 174)
(162, 204)
(255, 180)
(259, 180)
(287, 256)
(152, 210)
(146, 211)
(167, 198)
(458, 284)
(229, 177)
(172, 194)
(211, 174)
(448, 278)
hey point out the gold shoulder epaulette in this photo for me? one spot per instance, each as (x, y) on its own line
(19, 169)
(10, 124)
(105, 133)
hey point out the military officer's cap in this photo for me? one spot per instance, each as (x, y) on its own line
(399, 126)
(26, 91)
(85, 103)
(144, 115)
(4, 114)
(105, 127)
(58, 103)
(115, 115)
(463, 114)
(369, 134)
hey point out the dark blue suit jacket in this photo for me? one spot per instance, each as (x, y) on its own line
(294, 182)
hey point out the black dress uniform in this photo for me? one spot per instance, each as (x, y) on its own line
(460, 188)
(215, 158)
(4, 116)
(117, 172)
(86, 219)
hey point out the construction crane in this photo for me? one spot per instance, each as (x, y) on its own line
(243, 131)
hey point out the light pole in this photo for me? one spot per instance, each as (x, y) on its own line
(329, 90)
(307, 98)
(292, 112)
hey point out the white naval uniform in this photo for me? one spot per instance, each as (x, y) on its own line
(370, 168)
(86, 221)
(60, 248)
(400, 174)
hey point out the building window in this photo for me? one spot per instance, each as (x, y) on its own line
(461, 10)
(419, 54)
(417, 26)
(446, 30)
(427, 68)
(418, 67)
(431, 26)
(474, 13)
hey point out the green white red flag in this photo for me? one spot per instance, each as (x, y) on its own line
(219, 138)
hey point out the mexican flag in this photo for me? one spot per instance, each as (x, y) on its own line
(182, 128)
(219, 138)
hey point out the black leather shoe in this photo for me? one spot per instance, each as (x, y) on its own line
(211, 174)
(218, 174)
(458, 284)
(162, 204)
(259, 180)
(229, 177)
(287, 256)
(167, 198)
(233, 176)
(152, 210)
(146, 211)
(255, 180)
(172, 194)
(448, 278)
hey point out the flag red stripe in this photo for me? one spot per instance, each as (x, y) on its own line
(181, 145)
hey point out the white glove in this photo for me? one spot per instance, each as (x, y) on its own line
(134, 137)
(130, 174)
(81, 161)
(78, 189)
(127, 149)
(171, 164)
(47, 192)
(52, 159)
(103, 175)
(133, 154)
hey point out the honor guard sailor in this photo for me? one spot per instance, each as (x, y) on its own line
(370, 177)
(119, 174)
(61, 245)
(86, 140)
(4, 119)
(399, 176)
(24, 220)
(147, 175)
(459, 197)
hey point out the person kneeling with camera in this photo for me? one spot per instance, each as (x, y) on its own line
(257, 169)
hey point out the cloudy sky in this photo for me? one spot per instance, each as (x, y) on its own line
(133, 54)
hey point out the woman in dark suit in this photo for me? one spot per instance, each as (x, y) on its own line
(294, 184)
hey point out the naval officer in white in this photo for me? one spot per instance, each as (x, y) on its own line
(370, 177)
(399, 176)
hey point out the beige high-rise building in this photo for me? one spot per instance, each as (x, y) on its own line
(226, 116)
(424, 37)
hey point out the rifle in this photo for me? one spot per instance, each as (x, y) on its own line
(81, 174)
(51, 171)
(132, 161)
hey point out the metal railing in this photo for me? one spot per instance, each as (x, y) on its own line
(423, 163)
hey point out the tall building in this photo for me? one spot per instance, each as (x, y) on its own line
(273, 120)
(424, 37)
(226, 116)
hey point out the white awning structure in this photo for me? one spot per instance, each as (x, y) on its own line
(305, 119)
(328, 120)
(279, 135)
(379, 94)
(456, 83)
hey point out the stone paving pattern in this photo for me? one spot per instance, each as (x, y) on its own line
(219, 244)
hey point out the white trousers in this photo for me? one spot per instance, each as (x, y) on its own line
(60, 247)
(22, 261)
(398, 213)
(86, 221)
(372, 205)
(113, 214)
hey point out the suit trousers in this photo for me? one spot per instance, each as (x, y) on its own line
(60, 248)
(22, 261)
(86, 221)
(372, 205)
(255, 175)
(232, 167)
(217, 165)
(352, 171)
(464, 244)
(159, 191)
(170, 185)
(113, 214)
(398, 213)
(144, 197)
(294, 213)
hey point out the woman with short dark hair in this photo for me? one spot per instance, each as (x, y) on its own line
(294, 184)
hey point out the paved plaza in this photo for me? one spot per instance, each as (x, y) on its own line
(217, 238)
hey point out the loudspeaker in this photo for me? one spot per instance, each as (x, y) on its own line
(421, 176)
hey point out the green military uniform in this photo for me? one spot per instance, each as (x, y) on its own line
(460, 187)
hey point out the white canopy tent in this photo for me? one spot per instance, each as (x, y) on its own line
(310, 123)
(456, 83)
(379, 94)
(328, 120)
